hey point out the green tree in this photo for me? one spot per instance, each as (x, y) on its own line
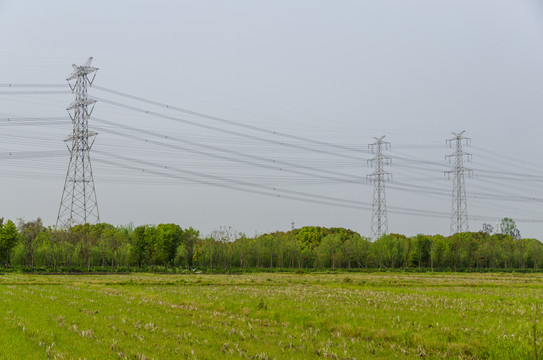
(348, 249)
(362, 251)
(87, 237)
(29, 232)
(139, 254)
(181, 255)
(209, 252)
(8, 239)
(379, 249)
(423, 247)
(294, 252)
(408, 251)
(535, 252)
(112, 240)
(190, 236)
(455, 249)
(329, 251)
(439, 249)
(470, 247)
(167, 239)
(508, 227)
(309, 237)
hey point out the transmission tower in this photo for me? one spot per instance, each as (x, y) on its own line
(459, 214)
(379, 222)
(78, 204)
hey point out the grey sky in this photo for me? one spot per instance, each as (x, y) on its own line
(335, 71)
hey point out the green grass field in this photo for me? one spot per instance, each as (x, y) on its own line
(271, 316)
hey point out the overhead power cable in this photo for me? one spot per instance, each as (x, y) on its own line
(30, 154)
(229, 122)
(209, 127)
(353, 179)
(344, 178)
(35, 85)
(223, 157)
(205, 180)
(35, 92)
(264, 190)
(475, 195)
(520, 175)
(30, 118)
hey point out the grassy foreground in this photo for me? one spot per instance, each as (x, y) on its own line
(267, 316)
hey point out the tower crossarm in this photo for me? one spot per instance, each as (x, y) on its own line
(80, 103)
(82, 70)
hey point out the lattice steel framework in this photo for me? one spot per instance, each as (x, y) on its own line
(459, 213)
(78, 204)
(379, 221)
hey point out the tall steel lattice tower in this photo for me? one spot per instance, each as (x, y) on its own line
(78, 204)
(459, 214)
(379, 222)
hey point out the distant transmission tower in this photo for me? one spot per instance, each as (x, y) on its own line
(379, 222)
(78, 204)
(459, 214)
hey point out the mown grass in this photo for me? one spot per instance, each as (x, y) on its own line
(267, 316)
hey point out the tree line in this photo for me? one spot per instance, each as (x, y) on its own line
(32, 245)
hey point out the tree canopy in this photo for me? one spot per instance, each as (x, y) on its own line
(169, 246)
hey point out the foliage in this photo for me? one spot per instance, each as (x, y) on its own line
(508, 226)
(168, 245)
(8, 240)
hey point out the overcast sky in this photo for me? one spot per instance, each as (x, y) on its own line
(340, 72)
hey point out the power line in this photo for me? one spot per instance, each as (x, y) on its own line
(214, 128)
(274, 163)
(204, 178)
(303, 196)
(406, 160)
(34, 92)
(190, 112)
(30, 154)
(227, 121)
(35, 85)
(33, 119)
(406, 187)
(400, 186)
